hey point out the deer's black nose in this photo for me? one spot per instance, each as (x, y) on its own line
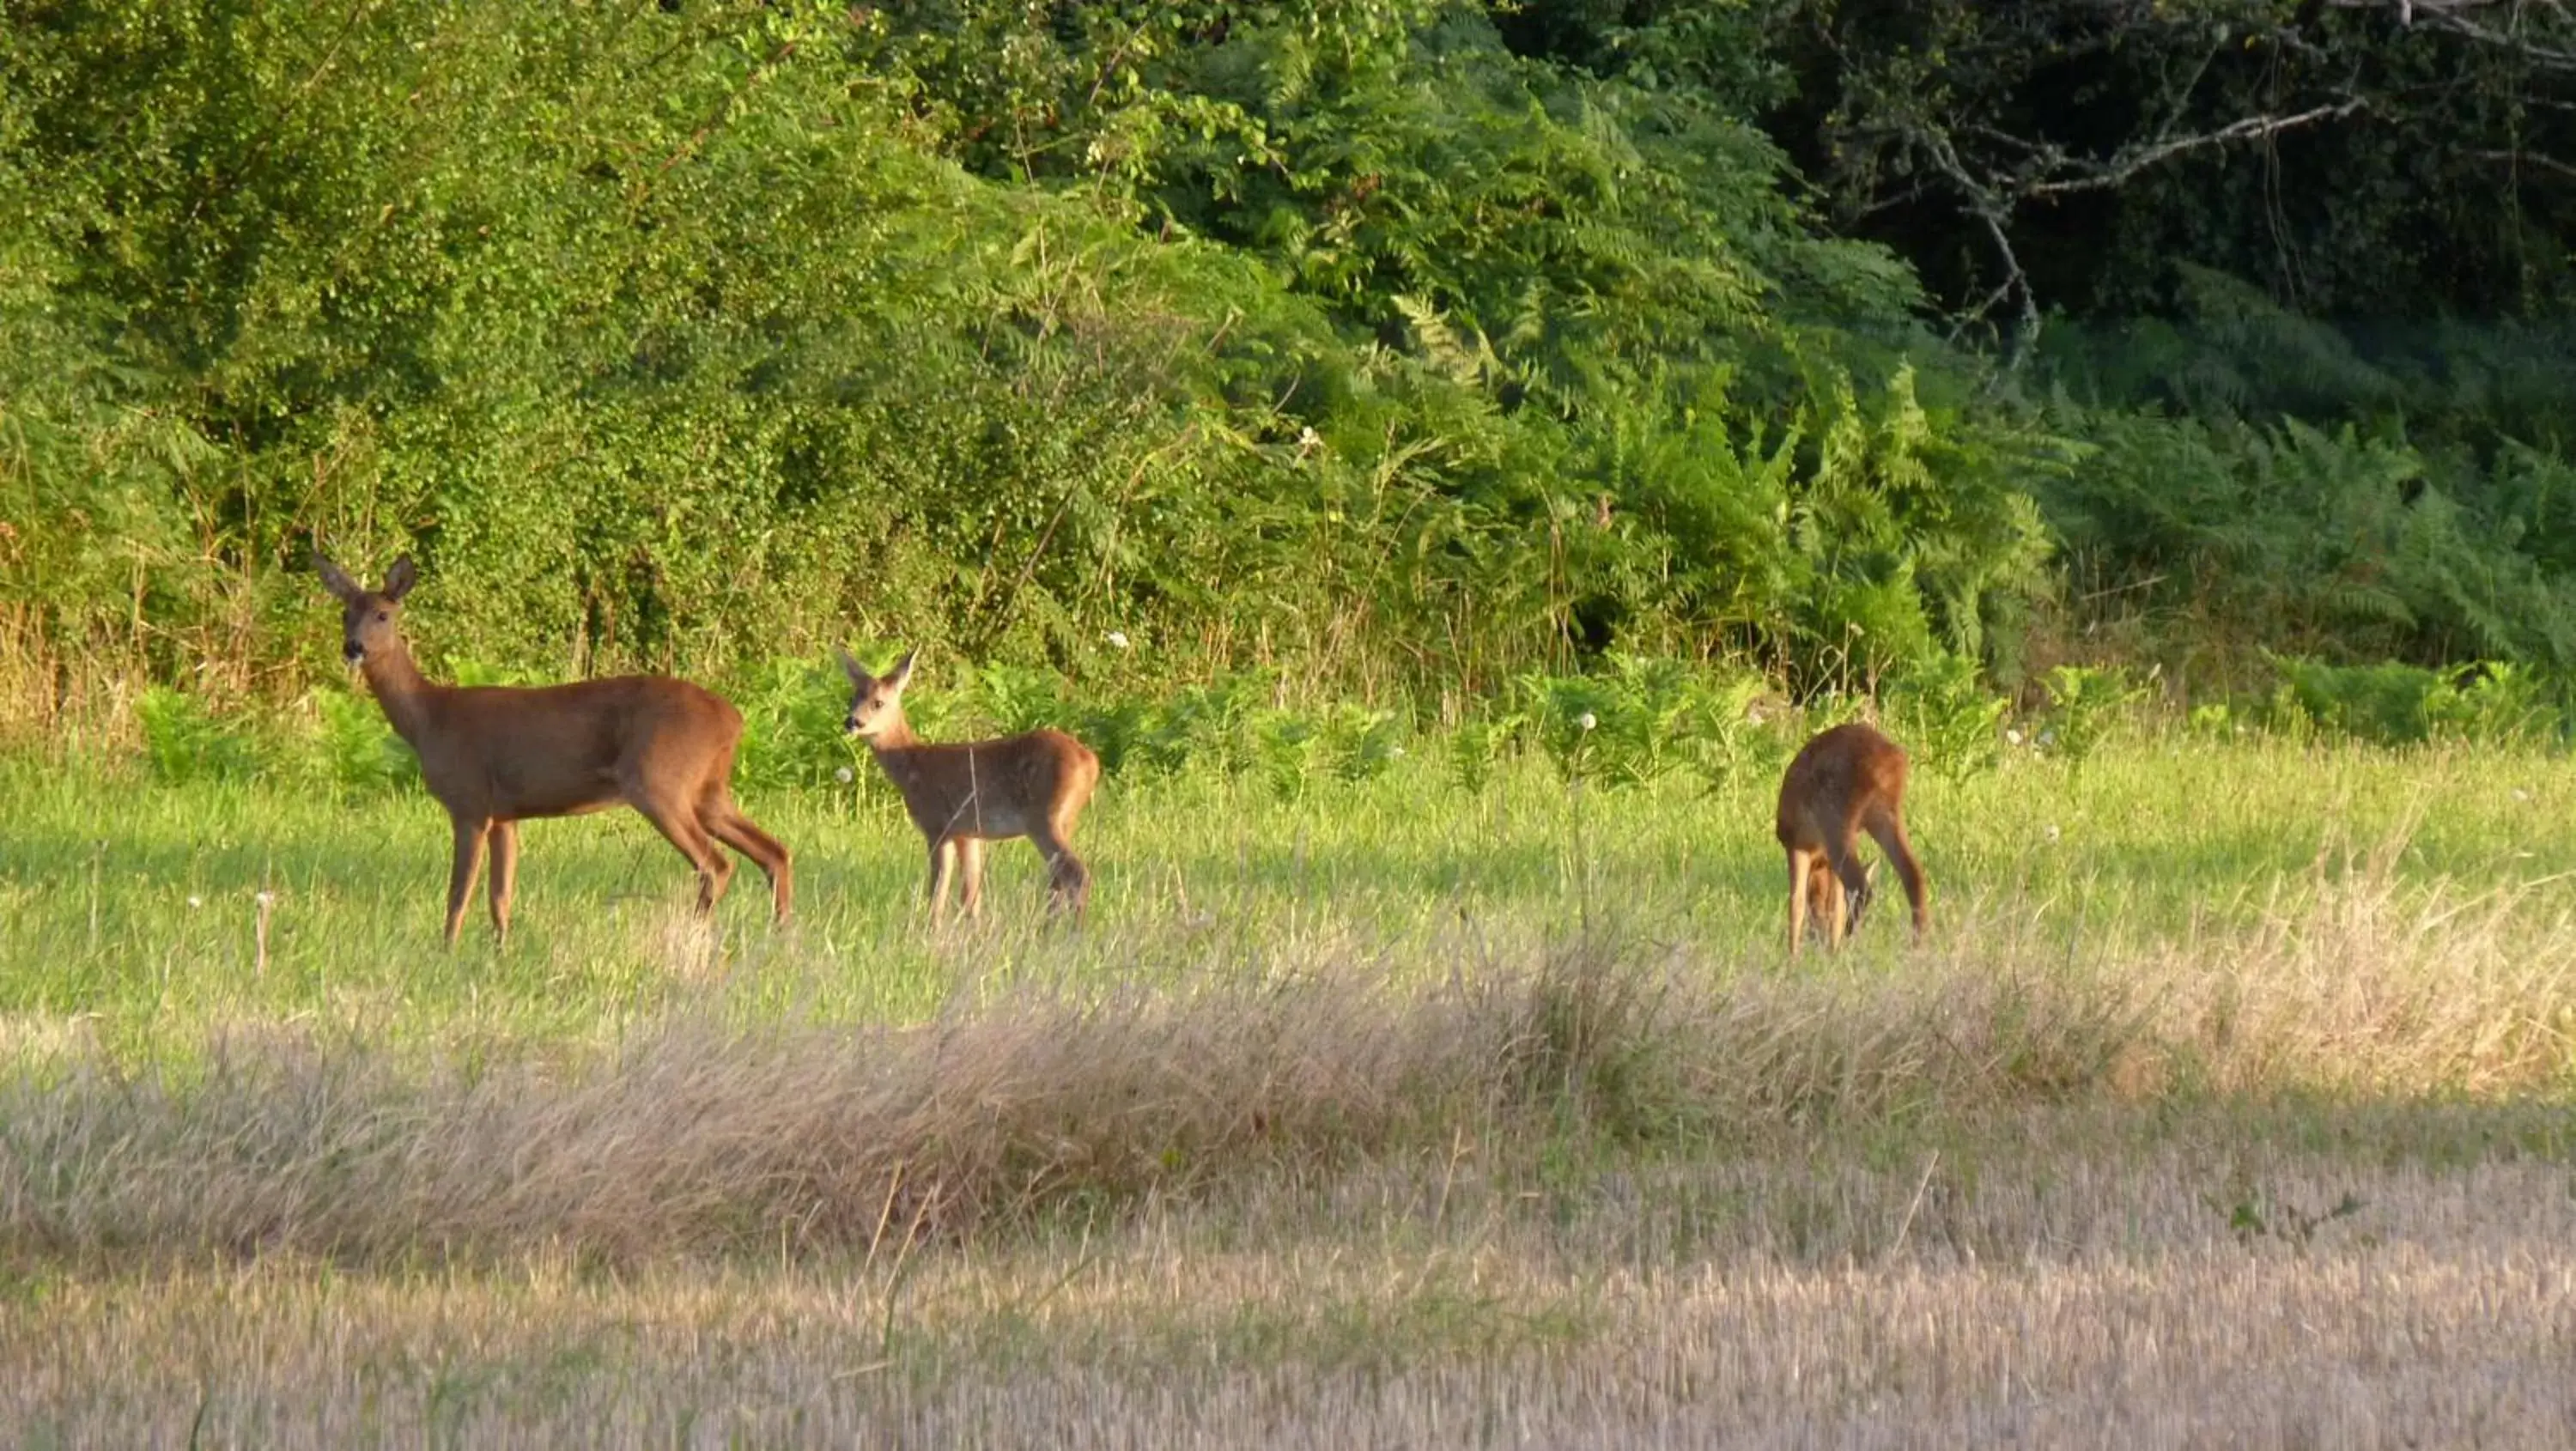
(353, 652)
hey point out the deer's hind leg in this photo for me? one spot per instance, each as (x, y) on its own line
(970, 875)
(724, 821)
(1888, 829)
(679, 826)
(943, 868)
(1068, 880)
(504, 837)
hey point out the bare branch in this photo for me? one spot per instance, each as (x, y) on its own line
(2129, 163)
(2534, 159)
(1994, 212)
(2451, 16)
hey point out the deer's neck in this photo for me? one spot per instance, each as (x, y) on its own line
(400, 689)
(893, 745)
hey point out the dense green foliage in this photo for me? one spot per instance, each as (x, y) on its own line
(1403, 347)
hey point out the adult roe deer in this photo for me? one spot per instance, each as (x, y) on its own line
(1848, 780)
(495, 755)
(964, 794)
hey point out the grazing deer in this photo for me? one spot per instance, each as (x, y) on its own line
(1848, 780)
(496, 755)
(965, 794)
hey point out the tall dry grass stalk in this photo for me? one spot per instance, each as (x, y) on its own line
(57, 701)
(1030, 1099)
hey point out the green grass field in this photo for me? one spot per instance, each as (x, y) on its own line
(133, 908)
(2228, 1100)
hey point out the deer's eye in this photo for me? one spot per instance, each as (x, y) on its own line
(383, 615)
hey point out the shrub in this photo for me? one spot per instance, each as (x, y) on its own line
(1947, 722)
(792, 714)
(2382, 703)
(185, 741)
(354, 749)
(2493, 704)
(2084, 704)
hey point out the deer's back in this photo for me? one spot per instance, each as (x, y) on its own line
(1834, 778)
(556, 749)
(996, 788)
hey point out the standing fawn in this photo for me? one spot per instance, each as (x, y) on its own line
(1846, 781)
(965, 794)
(496, 755)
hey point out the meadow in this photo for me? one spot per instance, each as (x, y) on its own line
(2228, 1100)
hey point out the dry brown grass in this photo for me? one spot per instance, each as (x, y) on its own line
(1031, 1101)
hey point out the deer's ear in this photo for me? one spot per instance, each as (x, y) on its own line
(334, 578)
(850, 667)
(902, 675)
(400, 579)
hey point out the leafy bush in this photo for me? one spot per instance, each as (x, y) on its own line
(1361, 743)
(1291, 746)
(184, 740)
(792, 715)
(1477, 746)
(2085, 703)
(2382, 703)
(2493, 704)
(1729, 739)
(354, 749)
(1208, 725)
(2396, 704)
(1114, 728)
(1016, 698)
(1949, 722)
(2334, 538)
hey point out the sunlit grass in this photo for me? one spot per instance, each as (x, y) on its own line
(134, 908)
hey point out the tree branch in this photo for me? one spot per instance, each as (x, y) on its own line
(2451, 16)
(2550, 164)
(2129, 162)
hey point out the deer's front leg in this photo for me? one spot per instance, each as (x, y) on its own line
(1800, 864)
(460, 876)
(970, 875)
(943, 865)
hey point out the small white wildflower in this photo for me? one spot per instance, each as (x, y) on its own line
(2521, 795)
(266, 899)
(196, 901)
(1395, 753)
(1587, 721)
(2048, 738)
(2012, 736)
(842, 775)
(1118, 639)
(2052, 831)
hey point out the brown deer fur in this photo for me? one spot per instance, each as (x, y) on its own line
(1846, 781)
(497, 755)
(965, 794)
